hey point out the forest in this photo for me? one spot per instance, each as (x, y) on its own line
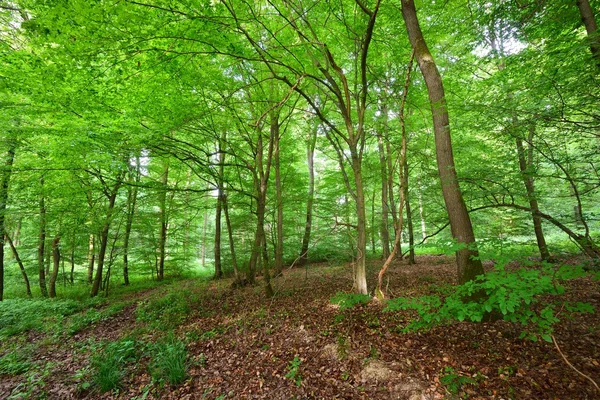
(294, 199)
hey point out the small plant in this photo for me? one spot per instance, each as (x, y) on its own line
(165, 312)
(169, 362)
(108, 365)
(14, 363)
(350, 300)
(453, 381)
(294, 371)
(342, 347)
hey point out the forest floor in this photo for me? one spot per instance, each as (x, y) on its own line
(298, 345)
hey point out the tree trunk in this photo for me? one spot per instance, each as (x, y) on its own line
(589, 20)
(218, 268)
(360, 272)
(72, 274)
(104, 237)
(278, 267)
(162, 241)
(236, 273)
(21, 266)
(3, 203)
(91, 259)
(421, 208)
(409, 221)
(55, 266)
(203, 246)
(468, 264)
(42, 241)
(131, 203)
(383, 229)
(526, 165)
(310, 159)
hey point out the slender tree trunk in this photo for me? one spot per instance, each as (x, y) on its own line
(162, 241)
(3, 203)
(21, 266)
(131, 203)
(310, 159)
(203, 247)
(17, 240)
(55, 266)
(589, 20)
(409, 221)
(72, 274)
(373, 229)
(42, 241)
(421, 209)
(236, 273)
(220, 191)
(104, 237)
(467, 260)
(383, 229)
(526, 165)
(91, 258)
(278, 267)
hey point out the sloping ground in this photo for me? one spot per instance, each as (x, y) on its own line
(298, 345)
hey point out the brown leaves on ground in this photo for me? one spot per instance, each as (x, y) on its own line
(297, 345)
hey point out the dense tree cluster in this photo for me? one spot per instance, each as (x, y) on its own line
(156, 136)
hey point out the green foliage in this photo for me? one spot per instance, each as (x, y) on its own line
(169, 361)
(453, 381)
(91, 316)
(108, 364)
(514, 296)
(15, 362)
(350, 300)
(165, 312)
(22, 315)
(294, 371)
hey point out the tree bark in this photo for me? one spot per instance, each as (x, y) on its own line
(8, 163)
(409, 221)
(236, 273)
(310, 159)
(42, 241)
(55, 266)
(21, 266)
(525, 166)
(591, 27)
(468, 264)
(162, 241)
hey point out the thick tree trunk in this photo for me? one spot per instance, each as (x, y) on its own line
(10, 157)
(589, 20)
(468, 264)
(162, 241)
(42, 241)
(21, 266)
(360, 272)
(278, 267)
(104, 238)
(310, 159)
(55, 266)
(526, 175)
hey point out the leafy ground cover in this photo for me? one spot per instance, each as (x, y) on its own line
(198, 339)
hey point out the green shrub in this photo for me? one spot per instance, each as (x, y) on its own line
(169, 362)
(294, 371)
(512, 296)
(350, 300)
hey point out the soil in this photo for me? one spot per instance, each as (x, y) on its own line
(297, 345)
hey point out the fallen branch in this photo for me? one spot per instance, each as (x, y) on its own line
(571, 365)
